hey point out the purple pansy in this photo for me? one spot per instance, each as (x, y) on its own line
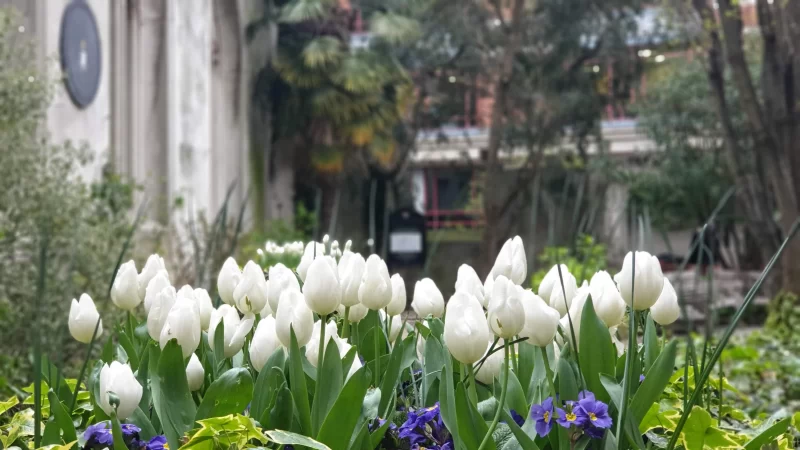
(519, 420)
(641, 378)
(543, 415)
(98, 433)
(129, 429)
(424, 428)
(157, 443)
(572, 414)
(595, 413)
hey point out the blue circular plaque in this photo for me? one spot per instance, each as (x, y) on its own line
(81, 58)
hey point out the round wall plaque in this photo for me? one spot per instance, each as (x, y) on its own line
(81, 57)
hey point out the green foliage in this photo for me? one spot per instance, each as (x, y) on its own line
(262, 245)
(583, 260)
(42, 194)
(682, 182)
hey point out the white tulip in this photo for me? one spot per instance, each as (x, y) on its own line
(235, 329)
(552, 292)
(125, 290)
(666, 309)
(205, 306)
(265, 342)
(466, 333)
(267, 311)
(375, 291)
(195, 374)
(575, 313)
(281, 278)
(467, 280)
(321, 289)
(511, 261)
(83, 317)
(488, 287)
(428, 299)
(541, 320)
(395, 327)
(492, 366)
(159, 310)
(399, 299)
(608, 303)
(351, 270)
(152, 267)
(293, 313)
(250, 294)
(118, 379)
(183, 324)
(313, 250)
(344, 347)
(229, 277)
(156, 285)
(648, 284)
(506, 315)
(312, 348)
(357, 313)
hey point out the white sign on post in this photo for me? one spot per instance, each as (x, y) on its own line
(405, 242)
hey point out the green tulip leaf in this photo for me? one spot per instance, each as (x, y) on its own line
(377, 436)
(567, 382)
(631, 429)
(769, 434)
(62, 417)
(228, 394)
(282, 411)
(340, 423)
(126, 343)
(472, 428)
(447, 393)
(515, 398)
(654, 382)
(268, 382)
(51, 435)
(116, 433)
(526, 358)
(139, 418)
(651, 347)
(597, 353)
(142, 377)
(392, 376)
(297, 382)
(329, 382)
(288, 438)
(522, 438)
(171, 396)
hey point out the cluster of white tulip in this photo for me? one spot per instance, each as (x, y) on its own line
(288, 248)
(500, 307)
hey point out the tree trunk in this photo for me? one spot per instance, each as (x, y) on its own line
(492, 198)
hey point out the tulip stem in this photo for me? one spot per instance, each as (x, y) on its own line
(320, 357)
(473, 392)
(376, 340)
(548, 372)
(346, 324)
(514, 361)
(629, 363)
(500, 405)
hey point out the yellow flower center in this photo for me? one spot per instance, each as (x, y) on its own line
(571, 417)
(592, 416)
(547, 417)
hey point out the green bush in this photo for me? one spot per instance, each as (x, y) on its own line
(44, 203)
(584, 259)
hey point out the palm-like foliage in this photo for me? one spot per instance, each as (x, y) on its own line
(332, 99)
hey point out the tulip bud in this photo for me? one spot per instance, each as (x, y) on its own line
(250, 294)
(492, 366)
(467, 280)
(553, 293)
(293, 313)
(195, 374)
(312, 348)
(235, 329)
(399, 299)
(541, 320)
(344, 348)
(351, 270)
(83, 317)
(666, 309)
(119, 380)
(321, 289)
(182, 324)
(313, 250)
(428, 300)
(156, 285)
(205, 307)
(159, 310)
(648, 284)
(280, 279)
(375, 291)
(152, 267)
(229, 277)
(357, 313)
(267, 311)
(608, 303)
(511, 261)
(265, 342)
(506, 315)
(466, 333)
(488, 287)
(125, 290)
